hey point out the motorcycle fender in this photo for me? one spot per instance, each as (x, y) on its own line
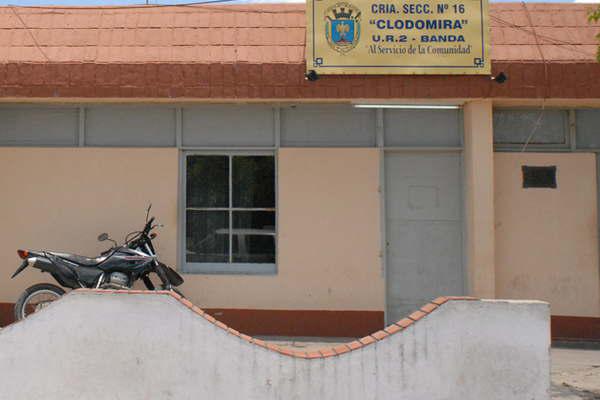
(23, 265)
(148, 282)
(174, 278)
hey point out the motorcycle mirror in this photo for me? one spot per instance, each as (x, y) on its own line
(103, 237)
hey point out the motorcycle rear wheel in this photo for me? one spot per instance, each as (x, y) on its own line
(36, 297)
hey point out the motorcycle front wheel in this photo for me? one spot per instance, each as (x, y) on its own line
(35, 298)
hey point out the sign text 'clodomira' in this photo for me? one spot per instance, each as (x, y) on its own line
(402, 37)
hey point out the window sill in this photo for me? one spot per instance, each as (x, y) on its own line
(229, 269)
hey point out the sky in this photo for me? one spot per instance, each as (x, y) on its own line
(126, 2)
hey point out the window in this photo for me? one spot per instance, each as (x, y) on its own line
(230, 217)
(39, 126)
(546, 128)
(228, 125)
(327, 125)
(588, 128)
(422, 128)
(130, 125)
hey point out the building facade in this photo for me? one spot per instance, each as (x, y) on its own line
(298, 207)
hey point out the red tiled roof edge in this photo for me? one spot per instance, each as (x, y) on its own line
(286, 82)
(255, 33)
(320, 353)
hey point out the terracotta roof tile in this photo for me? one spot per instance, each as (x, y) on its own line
(258, 33)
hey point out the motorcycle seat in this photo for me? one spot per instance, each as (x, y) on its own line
(80, 260)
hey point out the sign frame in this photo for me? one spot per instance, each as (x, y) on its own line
(316, 47)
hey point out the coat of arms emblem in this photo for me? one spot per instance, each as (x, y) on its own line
(342, 27)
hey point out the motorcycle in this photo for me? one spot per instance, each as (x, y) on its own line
(117, 268)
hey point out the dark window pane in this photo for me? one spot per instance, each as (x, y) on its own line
(207, 236)
(539, 177)
(207, 181)
(253, 237)
(253, 181)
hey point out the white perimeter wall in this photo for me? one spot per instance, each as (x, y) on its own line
(139, 346)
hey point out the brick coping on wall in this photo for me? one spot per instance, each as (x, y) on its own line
(330, 323)
(321, 353)
(285, 82)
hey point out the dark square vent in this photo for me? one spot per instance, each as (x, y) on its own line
(539, 177)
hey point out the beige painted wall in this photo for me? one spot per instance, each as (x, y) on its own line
(547, 239)
(329, 238)
(61, 199)
(329, 232)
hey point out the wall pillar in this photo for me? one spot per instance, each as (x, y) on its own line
(479, 198)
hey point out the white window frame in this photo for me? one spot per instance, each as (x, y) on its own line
(230, 268)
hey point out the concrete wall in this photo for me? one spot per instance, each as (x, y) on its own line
(479, 198)
(329, 234)
(140, 346)
(547, 239)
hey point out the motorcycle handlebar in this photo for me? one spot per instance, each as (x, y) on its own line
(140, 236)
(148, 227)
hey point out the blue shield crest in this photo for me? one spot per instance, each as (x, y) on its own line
(342, 31)
(342, 27)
